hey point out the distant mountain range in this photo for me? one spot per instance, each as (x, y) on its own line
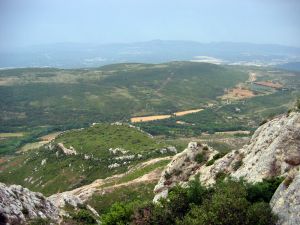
(293, 66)
(72, 55)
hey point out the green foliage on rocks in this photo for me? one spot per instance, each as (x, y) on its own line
(227, 203)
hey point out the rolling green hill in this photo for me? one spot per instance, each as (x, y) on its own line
(36, 101)
(52, 97)
(98, 152)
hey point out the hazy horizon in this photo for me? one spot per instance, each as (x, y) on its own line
(39, 22)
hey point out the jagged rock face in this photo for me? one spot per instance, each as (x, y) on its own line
(286, 201)
(273, 151)
(18, 205)
(181, 168)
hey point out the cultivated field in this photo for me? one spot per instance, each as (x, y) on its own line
(162, 117)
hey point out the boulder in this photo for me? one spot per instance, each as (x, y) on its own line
(18, 205)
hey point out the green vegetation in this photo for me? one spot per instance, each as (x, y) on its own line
(41, 100)
(240, 115)
(215, 157)
(39, 221)
(99, 138)
(199, 158)
(227, 203)
(56, 99)
(124, 195)
(62, 172)
(83, 217)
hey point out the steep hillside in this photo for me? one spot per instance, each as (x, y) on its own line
(78, 157)
(272, 152)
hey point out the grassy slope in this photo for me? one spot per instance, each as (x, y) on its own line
(63, 172)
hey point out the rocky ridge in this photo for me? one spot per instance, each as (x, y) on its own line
(182, 167)
(286, 200)
(274, 150)
(19, 205)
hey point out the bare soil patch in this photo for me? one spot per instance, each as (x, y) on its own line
(149, 118)
(11, 135)
(182, 113)
(238, 93)
(269, 84)
(161, 117)
(50, 137)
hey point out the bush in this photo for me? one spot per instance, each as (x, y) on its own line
(205, 148)
(119, 213)
(237, 165)
(199, 158)
(83, 216)
(40, 221)
(263, 191)
(227, 203)
(196, 193)
(260, 214)
(217, 156)
(229, 206)
(167, 175)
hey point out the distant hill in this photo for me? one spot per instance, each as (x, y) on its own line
(72, 55)
(293, 66)
(75, 98)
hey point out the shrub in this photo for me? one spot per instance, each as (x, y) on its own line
(263, 122)
(119, 213)
(263, 191)
(227, 203)
(177, 172)
(199, 158)
(40, 221)
(216, 157)
(260, 214)
(237, 165)
(196, 193)
(168, 175)
(229, 206)
(220, 176)
(83, 216)
(287, 181)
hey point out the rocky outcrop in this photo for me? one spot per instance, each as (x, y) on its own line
(182, 167)
(18, 205)
(274, 150)
(286, 200)
(67, 151)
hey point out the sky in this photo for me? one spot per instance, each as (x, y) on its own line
(35, 22)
